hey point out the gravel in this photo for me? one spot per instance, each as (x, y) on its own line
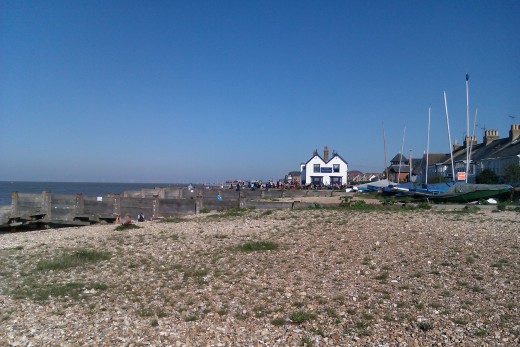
(329, 277)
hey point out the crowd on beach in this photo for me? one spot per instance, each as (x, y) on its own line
(254, 185)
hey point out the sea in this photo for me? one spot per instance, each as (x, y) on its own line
(87, 188)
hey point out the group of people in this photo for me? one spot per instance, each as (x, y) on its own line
(254, 185)
(128, 218)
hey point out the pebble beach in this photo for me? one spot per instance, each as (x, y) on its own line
(313, 277)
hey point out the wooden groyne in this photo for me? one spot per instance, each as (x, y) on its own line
(29, 210)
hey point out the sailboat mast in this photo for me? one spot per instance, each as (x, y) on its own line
(410, 166)
(474, 126)
(428, 144)
(468, 139)
(449, 136)
(384, 143)
(401, 156)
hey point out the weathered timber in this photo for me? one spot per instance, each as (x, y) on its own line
(29, 210)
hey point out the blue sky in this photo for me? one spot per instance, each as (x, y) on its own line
(204, 91)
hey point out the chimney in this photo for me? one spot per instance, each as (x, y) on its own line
(315, 152)
(490, 136)
(514, 132)
(326, 154)
(456, 146)
(470, 140)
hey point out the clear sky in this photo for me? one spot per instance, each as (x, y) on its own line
(204, 91)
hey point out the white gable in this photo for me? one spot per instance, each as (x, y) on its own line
(317, 171)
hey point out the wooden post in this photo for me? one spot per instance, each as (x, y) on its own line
(46, 205)
(79, 207)
(14, 204)
(199, 204)
(117, 204)
(155, 206)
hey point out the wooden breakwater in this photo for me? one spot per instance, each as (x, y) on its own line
(34, 210)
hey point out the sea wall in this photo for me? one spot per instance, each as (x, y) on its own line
(79, 209)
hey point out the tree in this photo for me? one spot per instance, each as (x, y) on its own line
(512, 174)
(487, 176)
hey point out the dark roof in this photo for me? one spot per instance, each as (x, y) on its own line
(315, 155)
(485, 151)
(499, 148)
(434, 158)
(480, 151)
(400, 158)
(326, 162)
(510, 150)
(495, 149)
(405, 165)
(337, 155)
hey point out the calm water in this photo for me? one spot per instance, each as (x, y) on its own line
(88, 189)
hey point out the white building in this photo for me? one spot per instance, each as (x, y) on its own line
(324, 171)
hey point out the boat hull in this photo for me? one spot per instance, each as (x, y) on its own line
(471, 192)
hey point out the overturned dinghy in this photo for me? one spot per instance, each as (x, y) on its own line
(375, 186)
(467, 192)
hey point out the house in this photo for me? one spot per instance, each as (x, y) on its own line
(502, 158)
(354, 176)
(432, 166)
(493, 153)
(403, 169)
(322, 171)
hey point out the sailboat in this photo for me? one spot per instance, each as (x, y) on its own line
(463, 191)
(432, 188)
(409, 188)
(378, 185)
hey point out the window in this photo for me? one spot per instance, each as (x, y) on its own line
(316, 180)
(335, 168)
(316, 167)
(335, 180)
